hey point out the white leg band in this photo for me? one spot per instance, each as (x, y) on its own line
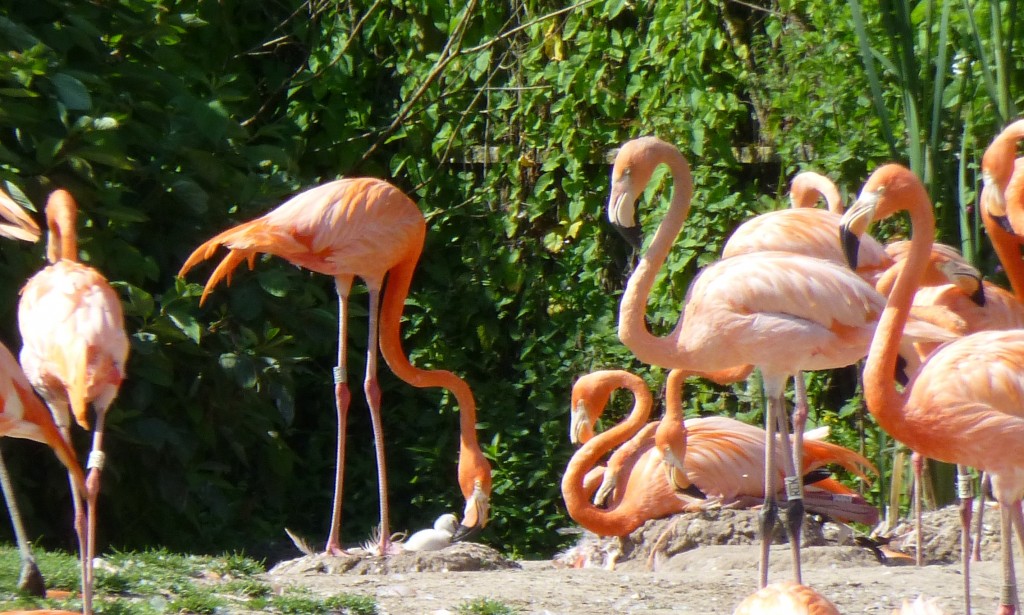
(96, 460)
(794, 488)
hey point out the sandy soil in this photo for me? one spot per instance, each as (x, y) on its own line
(698, 563)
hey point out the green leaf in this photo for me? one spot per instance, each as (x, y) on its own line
(71, 92)
(185, 321)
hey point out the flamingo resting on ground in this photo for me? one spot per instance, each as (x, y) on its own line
(75, 348)
(736, 313)
(966, 404)
(721, 457)
(363, 228)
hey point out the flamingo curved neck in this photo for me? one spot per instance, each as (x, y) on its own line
(471, 457)
(623, 516)
(673, 420)
(633, 331)
(883, 400)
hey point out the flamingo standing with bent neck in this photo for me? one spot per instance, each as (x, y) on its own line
(966, 404)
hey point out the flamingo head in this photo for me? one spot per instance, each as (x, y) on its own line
(885, 192)
(670, 441)
(634, 165)
(476, 513)
(582, 421)
(997, 167)
(475, 483)
(18, 223)
(967, 278)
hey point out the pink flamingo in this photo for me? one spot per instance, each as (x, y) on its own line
(364, 228)
(965, 404)
(738, 312)
(75, 349)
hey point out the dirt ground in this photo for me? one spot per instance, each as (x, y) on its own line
(695, 563)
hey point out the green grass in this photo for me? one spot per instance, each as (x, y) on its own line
(485, 606)
(157, 582)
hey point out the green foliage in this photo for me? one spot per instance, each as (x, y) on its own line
(158, 581)
(170, 124)
(485, 606)
(301, 603)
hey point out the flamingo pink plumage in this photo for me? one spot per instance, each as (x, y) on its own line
(370, 229)
(74, 348)
(966, 404)
(723, 458)
(738, 309)
(786, 599)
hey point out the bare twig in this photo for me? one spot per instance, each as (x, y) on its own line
(521, 27)
(448, 53)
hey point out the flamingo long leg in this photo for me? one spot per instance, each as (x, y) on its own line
(980, 528)
(92, 490)
(793, 485)
(372, 389)
(769, 512)
(1008, 600)
(917, 463)
(342, 399)
(963, 485)
(31, 580)
(63, 419)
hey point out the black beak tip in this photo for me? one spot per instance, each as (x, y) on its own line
(901, 375)
(851, 246)
(632, 235)
(464, 533)
(1004, 223)
(978, 297)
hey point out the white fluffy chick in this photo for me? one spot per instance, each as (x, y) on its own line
(436, 538)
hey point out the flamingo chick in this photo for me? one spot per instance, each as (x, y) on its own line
(435, 538)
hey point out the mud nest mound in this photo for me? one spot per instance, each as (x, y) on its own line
(941, 535)
(660, 541)
(460, 557)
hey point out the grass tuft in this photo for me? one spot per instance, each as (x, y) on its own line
(485, 606)
(157, 581)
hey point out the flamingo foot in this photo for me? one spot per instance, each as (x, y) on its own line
(335, 551)
(31, 581)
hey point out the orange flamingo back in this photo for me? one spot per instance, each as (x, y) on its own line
(786, 598)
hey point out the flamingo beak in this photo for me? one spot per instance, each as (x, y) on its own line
(475, 516)
(854, 224)
(580, 429)
(605, 490)
(978, 296)
(622, 212)
(967, 279)
(675, 472)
